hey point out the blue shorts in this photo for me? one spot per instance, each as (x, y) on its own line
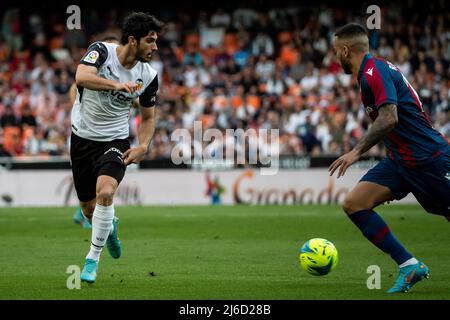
(430, 183)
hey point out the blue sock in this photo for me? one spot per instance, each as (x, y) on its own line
(376, 231)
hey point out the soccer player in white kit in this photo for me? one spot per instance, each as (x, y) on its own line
(109, 78)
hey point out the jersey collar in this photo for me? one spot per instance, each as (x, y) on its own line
(367, 56)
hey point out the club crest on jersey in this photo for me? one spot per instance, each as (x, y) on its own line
(91, 57)
(369, 110)
(139, 84)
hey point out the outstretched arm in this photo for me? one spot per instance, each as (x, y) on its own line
(383, 124)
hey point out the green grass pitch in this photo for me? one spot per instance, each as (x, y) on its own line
(204, 252)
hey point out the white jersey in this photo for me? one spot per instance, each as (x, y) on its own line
(104, 115)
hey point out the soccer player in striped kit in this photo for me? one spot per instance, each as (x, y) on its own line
(418, 157)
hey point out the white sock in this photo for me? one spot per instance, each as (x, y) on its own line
(409, 262)
(101, 226)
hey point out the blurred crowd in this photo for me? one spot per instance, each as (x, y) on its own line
(244, 67)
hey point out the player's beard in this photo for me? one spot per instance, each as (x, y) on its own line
(346, 66)
(140, 55)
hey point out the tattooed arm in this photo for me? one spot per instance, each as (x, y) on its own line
(383, 124)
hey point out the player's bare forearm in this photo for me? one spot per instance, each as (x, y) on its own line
(87, 77)
(147, 127)
(145, 135)
(73, 93)
(383, 124)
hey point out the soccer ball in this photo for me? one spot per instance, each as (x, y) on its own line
(318, 256)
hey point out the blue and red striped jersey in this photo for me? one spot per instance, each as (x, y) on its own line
(413, 141)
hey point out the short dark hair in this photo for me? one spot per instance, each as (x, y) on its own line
(351, 30)
(139, 24)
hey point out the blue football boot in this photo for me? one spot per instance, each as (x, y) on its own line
(89, 273)
(113, 243)
(409, 276)
(79, 218)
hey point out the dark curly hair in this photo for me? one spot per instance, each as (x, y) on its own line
(139, 24)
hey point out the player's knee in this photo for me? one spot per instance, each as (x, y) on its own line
(354, 204)
(105, 196)
(348, 205)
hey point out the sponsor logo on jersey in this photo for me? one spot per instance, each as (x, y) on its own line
(91, 57)
(120, 96)
(369, 71)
